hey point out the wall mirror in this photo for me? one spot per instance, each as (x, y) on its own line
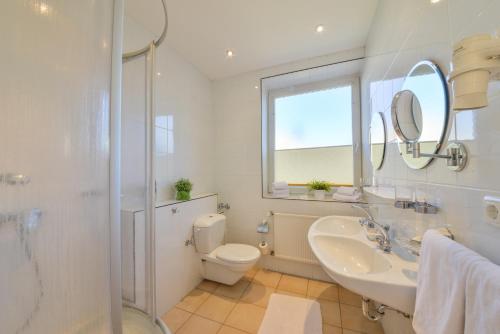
(420, 113)
(377, 140)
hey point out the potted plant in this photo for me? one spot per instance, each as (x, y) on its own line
(319, 188)
(183, 189)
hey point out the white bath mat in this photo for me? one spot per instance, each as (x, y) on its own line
(291, 315)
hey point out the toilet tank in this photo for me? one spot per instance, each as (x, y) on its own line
(208, 231)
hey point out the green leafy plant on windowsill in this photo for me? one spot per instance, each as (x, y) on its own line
(319, 188)
(183, 189)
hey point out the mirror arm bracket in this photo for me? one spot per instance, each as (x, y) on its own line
(456, 157)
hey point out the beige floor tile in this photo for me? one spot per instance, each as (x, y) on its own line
(233, 291)
(198, 325)
(246, 317)
(267, 278)
(349, 297)
(230, 330)
(323, 290)
(293, 284)
(328, 329)
(208, 286)
(216, 308)
(249, 275)
(330, 311)
(348, 331)
(353, 319)
(175, 318)
(193, 300)
(257, 294)
(288, 293)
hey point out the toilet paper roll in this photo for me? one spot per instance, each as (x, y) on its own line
(264, 248)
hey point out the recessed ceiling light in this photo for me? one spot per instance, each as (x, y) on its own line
(435, 1)
(320, 28)
(158, 73)
(256, 87)
(229, 53)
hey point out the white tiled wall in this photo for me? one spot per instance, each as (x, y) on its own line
(185, 124)
(403, 33)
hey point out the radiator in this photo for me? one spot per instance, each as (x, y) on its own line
(290, 237)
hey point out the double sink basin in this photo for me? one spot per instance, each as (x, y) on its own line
(341, 245)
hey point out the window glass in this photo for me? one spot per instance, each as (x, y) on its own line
(313, 136)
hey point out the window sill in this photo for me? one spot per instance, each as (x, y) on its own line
(310, 198)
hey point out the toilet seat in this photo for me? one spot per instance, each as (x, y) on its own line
(237, 253)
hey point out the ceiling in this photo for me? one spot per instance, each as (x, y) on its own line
(261, 33)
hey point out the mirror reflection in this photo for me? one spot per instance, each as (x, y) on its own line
(377, 140)
(420, 112)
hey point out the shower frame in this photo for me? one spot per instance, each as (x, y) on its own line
(149, 52)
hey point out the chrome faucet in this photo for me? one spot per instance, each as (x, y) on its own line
(383, 239)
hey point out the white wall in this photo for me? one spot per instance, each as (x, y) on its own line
(178, 266)
(238, 165)
(403, 33)
(55, 67)
(185, 120)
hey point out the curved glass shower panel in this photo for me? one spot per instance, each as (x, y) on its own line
(54, 167)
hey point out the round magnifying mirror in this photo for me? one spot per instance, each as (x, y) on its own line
(377, 140)
(407, 116)
(420, 112)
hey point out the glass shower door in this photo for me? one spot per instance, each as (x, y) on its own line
(54, 167)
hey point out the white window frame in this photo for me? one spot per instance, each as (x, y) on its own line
(268, 126)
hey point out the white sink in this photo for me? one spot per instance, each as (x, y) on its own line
(341, 246)
(350, 255)
(338, 225)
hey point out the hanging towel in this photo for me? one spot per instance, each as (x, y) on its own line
(482, 298)
(349, 191)
(440, 303)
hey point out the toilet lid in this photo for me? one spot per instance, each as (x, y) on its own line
(237, 253)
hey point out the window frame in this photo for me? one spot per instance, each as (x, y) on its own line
(268, 130)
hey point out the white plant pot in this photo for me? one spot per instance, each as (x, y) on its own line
(319, 194)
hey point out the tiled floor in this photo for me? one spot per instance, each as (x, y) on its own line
(214, 308)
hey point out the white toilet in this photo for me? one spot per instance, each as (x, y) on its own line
(221, 263)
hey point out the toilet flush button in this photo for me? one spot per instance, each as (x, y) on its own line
(492, 210)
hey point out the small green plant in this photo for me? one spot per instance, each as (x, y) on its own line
(319, 185)
(183, 189)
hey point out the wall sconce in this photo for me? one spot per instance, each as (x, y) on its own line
(475, 60)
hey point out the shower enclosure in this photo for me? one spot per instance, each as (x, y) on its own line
(54, 166)
(138, 194)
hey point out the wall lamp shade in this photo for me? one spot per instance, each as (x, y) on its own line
(475, 61)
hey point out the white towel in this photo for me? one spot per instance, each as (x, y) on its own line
(291, 315)
(349, 191)
(347, 198)
(440, 303)
(280, 185)
(281, 193)
(482, 298)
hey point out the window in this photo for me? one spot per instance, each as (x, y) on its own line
(311, 132)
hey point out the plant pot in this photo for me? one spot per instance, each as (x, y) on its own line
(319, 194)
(183, 196)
